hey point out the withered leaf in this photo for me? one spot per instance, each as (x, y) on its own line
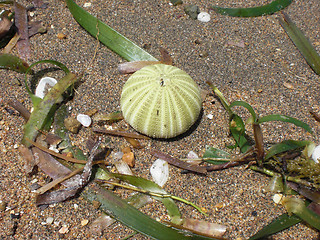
(178, 163)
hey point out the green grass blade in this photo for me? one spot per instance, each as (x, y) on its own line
(245, 105)
(283, 118)
(8, 61)
(267, 9)
(133, 218)
(212, 152)
(298, 207)
(285, 146)
(301, 42)
(238, 131)
(150, 186)
(282, 222)
(108, 36)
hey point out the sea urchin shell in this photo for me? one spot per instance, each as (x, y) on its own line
(160, 101)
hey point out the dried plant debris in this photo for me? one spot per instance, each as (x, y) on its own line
(21, 23)
(120, 133)
(7, 28)
(36, 27)
(64, 194)
(178, 163)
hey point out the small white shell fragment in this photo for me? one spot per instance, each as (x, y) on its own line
(210, 116)
(160, 172)
(54, 148)
(64, 229)
(277, 198)
(85, 120)
(316, 154)
(49, 220)
(117, 155)
(44, 85)
(204, 17)
(87, 4)
(192, 155)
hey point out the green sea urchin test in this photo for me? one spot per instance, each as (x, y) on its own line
(160, 101)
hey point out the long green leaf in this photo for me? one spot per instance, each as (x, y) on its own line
(283, 118)
(108, 36)
(282, 222)
(298, 207)
(8, 61)
(212, 152)
(238, 131)
(245, 105)
(133, 218)
(301, 42)
(267, 9)
(150, 186)
(284, 146)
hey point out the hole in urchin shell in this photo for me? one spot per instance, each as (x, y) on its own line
(161, 82)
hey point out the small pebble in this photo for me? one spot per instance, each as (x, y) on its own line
(96, 204)
(192, 11)
(129, 159)
(64, 229)
(203, 17)
(203, 54)
(61, 36)
(3, 206)
(87, 5)
(84, 222)
(84, 119)
(75, 206)
(288, 85)
(220, 205)
(49, 220)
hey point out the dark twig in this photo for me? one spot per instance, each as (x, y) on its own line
(20, 108)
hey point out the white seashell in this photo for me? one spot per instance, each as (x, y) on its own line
(161, 101)
(85, 120)
(316, 154)
(192, 155)
(44, 86)
(160, 172)
(203, 17)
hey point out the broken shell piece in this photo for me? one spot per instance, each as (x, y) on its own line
(316, 154)
(84, 119)
(160, 172)
(203, 17)
(44, 86)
